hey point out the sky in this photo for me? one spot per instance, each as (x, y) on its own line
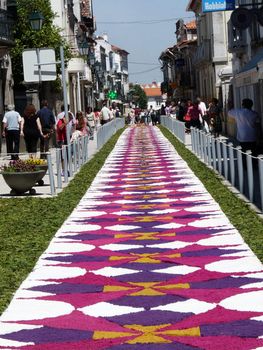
(144, 28)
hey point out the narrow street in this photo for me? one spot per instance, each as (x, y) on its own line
(147, 261)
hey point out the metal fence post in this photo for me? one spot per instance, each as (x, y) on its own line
(250, 175)
(240, 169)
(65, 161)
(219, 156)
(232, 164)
(225, 159)
(51, 175)
(75, 156)
(260, 169)
(58, 163)
(209, 149)
(205, 147)
(213, 151)
(69, 160)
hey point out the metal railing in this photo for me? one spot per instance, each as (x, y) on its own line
(175, 126)
(242, 170)
(106, 131)
(64, 162)
(70, 158)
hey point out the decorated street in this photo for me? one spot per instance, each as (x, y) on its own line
(146, 261)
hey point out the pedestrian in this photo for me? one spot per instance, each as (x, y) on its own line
(194, 112)
(163, 110)
(81, 123)
(11, 131)
(61, 133)
(90, 116)
(214, 115)
(132, 117)
(47, 120)
(248, 125)
(105, 114)
(97, 117)
(152, 114)
(204, 116)
(71, 122)
(31, 129)
(182, 109)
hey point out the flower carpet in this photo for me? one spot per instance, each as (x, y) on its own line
(147, 261)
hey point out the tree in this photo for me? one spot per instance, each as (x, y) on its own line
(25, 37)
(138, 96)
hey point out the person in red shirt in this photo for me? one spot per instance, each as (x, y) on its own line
(195, 113)
(62, 132)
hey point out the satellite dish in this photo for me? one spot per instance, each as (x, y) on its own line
(241, 18)
(260, 15)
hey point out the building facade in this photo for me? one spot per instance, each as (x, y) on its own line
(246, 45)
(111, 70)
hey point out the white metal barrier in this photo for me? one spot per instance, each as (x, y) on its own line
(242, 170)
(175, 126)
(106, 131)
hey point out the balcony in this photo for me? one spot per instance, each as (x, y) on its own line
(88, 24)
(6, 30)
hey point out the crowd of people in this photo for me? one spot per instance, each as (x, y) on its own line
(42, 126)
(144, 116)
(197, 114)
(209, 119)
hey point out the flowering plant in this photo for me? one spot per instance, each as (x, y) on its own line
(18, 166)
(36, 161)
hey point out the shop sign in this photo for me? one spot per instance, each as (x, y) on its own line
(218, 5)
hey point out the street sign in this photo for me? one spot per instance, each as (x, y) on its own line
(47, 62)
(218, 5)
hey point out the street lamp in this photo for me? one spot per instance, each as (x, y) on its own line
(84, 48)
(36, 20)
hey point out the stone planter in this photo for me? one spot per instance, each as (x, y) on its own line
(44, 169)
(21, 182)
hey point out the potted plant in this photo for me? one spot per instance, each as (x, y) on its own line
(41, 164)
(21, 176)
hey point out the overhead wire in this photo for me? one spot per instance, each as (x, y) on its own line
(145, 71)
(150, 21)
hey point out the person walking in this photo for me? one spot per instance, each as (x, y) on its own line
(47, 120)
(215, 120)
(194, 112)
(248, 125)
(90, 116)
(82, 123)
(105, 114)
(11, 131)
(31, 129)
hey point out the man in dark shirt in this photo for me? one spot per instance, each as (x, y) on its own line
(47, 121)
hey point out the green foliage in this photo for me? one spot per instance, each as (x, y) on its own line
(247, 222)
(138, 96)
(49, 36)
(27, 225)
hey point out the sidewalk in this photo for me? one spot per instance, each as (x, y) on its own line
(41, 191)
(146, 261)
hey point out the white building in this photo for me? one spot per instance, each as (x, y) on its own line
(246, 45)
(75, 18)
(111, 68)
(213, 62)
